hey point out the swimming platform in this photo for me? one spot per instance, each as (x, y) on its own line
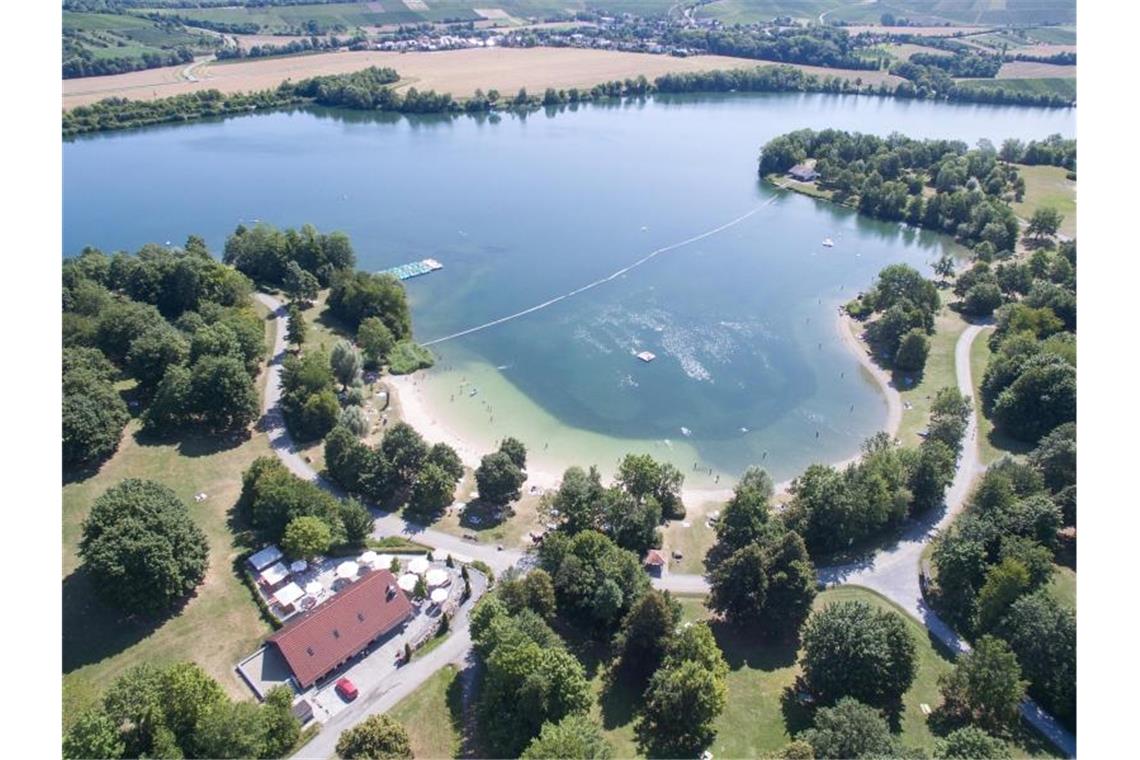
(414, 269)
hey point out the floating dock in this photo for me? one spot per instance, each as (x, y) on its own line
(646, 356)
(414, 269)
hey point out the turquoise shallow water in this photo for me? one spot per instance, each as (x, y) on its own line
(521, 210)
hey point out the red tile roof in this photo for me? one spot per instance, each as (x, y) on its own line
(321, 639)
(655, 558)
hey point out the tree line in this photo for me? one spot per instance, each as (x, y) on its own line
(81, 62)
(813, 46)
(369, 92)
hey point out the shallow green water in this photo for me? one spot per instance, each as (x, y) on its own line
(749, 365)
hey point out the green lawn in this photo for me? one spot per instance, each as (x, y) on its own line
(693, 542)
(432, 715)
(756, 719)
(218, 625)
(1047, 187)
(1063, 586)
(939, 373)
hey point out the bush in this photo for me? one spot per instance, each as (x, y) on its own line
(406, 357)
(377, 736)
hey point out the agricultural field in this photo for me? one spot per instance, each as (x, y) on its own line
(98, 37)
(1064, 87)
(1034, 70)
(960, 12)
(753, 11)
(345, 16)
(459, 72)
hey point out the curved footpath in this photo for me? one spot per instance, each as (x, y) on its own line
(892, 571)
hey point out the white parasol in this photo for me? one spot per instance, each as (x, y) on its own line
(407, 581)
(347, 569)
(419, 565)
(299, 566)
(368, 558)
(439, 596)
(313, 588)
(436, 577)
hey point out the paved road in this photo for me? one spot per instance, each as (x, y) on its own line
(405, 680)
(892, 571)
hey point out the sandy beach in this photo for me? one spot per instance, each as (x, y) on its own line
(416, 409)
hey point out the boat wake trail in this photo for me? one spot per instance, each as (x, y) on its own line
(613, 276)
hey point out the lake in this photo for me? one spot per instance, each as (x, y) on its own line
(750, 368)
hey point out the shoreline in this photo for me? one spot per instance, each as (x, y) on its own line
(417, 411)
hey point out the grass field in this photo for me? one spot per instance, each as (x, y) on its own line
(758, 719)
(1047, 186)
(432, 714)
(939, 373)
(98, 644)
(1064, 87)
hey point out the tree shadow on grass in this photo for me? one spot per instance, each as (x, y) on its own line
(479, 515)
(743, 647)
(93, 631)
(621, 699)
(462, 698)
(581, 643)
(194, 444)
(798, 713)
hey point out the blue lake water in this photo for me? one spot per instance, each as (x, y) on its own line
(519, 210)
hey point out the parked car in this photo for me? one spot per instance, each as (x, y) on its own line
(346, 689)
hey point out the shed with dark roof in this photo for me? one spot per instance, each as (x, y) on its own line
(320, 641)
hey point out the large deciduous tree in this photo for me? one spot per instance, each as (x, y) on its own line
(142, 548)
(852, 649)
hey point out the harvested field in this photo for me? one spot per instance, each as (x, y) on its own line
(1030, 70)
(459, 72)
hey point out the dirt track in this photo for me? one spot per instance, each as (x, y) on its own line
(459, 72)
